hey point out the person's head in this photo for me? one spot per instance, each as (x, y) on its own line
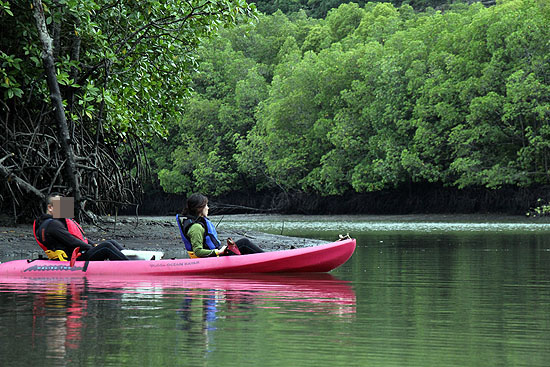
(49, 203)
(59, 206)
(197, 205)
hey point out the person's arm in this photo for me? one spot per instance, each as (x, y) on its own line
(58, 233)
(196, 237)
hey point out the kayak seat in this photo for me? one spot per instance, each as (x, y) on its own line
(186, 242)
(57, 255)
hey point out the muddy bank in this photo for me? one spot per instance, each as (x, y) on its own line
(144, 234)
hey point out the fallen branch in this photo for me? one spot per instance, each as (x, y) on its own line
(20, 182)
(6, 157)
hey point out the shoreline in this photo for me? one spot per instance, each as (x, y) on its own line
(18, 242)
(161, 233)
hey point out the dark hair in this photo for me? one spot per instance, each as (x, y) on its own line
(195, 203)
(50, 197)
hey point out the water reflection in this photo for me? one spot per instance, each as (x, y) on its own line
(49, 318)
(471, 299)
(68, 320)
(315, 290)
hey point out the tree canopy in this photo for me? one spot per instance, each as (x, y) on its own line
(123, 70)
(369, 98)
(372, 96)
(320, 8)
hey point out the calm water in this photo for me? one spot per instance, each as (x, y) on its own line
(417, 292)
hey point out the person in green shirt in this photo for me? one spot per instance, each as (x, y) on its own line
(202, 234)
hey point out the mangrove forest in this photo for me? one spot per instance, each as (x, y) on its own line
(334, 101)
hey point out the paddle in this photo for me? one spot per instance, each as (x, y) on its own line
(76, 253)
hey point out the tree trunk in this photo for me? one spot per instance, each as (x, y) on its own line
(57, 103)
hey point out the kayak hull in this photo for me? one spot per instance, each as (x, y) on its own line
(321, 258)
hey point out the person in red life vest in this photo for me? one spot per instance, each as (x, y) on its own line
(59, 236)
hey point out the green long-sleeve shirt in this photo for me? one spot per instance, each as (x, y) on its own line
(196, 237)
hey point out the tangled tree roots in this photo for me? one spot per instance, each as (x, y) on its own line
(32, 165)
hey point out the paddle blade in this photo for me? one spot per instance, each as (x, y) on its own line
(75, 254)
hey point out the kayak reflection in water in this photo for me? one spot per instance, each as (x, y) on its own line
(200, 236)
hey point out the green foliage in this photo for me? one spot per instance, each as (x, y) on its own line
(344, 20)
(320, 8)
(198, 153)
(10, 67)
(133, 63)
(370, 98)
(124, 70)
(542, 209)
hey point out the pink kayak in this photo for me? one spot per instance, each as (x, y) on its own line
(321, 258)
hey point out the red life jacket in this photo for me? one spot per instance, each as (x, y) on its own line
(75, 229)
(72, 226)
(42, 235)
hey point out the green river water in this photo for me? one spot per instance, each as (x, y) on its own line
(418, 291)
